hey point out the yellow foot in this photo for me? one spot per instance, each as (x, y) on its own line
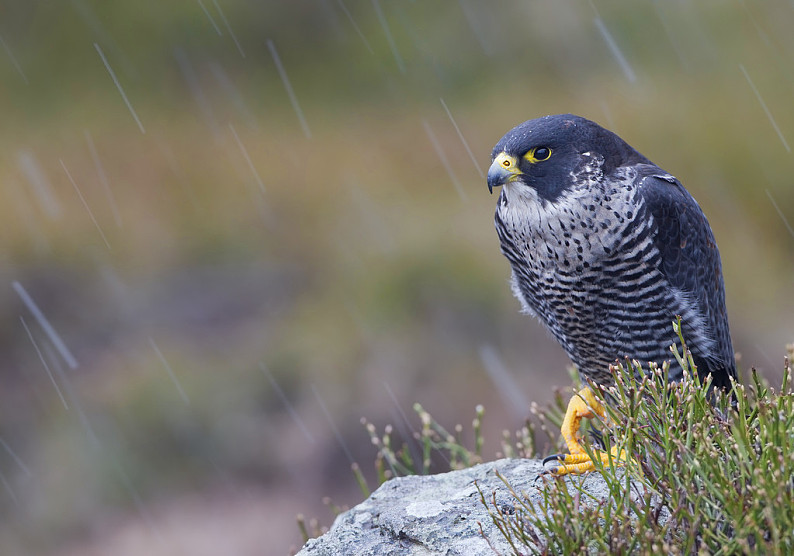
(566, 464)
(583, 405)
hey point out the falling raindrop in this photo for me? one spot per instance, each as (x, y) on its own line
(69, 393)
(442, 156)
(54, 337)
(14, 61)
(668, 29)
(463, 139)
(288, 86)
(766, 109)
(765, 354)
(232, 92)
(25, 469)
(288, 405)
(100, 170)
(26, 213)
(504, 382)
(85, 204)
(615, 50)
(355, 25)
(170, 371)
(7, 487)
(229, 28)
(404, 427)
(334, 428)
(247, 158)
(780, 213)
(118, 86)
(209, 16)
(44, 362)
(41, 185)
(389, 38)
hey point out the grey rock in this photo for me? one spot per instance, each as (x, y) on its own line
(440, 514)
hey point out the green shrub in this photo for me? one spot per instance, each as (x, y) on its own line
(708, 473)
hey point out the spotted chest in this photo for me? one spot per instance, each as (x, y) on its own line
(589, 223)
(578, 262)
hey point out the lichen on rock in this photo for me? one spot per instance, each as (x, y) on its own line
(443, 514)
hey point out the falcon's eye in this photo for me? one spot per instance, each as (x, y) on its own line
(538, 154)
(542, 153)
(506, 163)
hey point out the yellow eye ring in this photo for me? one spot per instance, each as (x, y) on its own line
(537, 154)
(506, 163)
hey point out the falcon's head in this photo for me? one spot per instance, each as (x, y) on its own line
(550, 153)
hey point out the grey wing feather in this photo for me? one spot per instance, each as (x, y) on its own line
(691, 263)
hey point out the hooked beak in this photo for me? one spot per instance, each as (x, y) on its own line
(499, 174)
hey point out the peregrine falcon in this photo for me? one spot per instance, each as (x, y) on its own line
(606, 249)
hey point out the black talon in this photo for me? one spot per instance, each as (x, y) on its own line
(553, 470)
(553, 457)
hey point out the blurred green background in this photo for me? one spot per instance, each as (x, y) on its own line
(242, 267)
